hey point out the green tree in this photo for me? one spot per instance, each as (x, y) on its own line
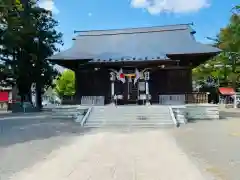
(65, 84)
(229, 37)
(45, 42)
(29, 38)
(225, 66)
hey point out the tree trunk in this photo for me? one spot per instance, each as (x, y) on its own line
(38, 96)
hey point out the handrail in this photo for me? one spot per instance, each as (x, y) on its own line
(173, 116)
(86, 116)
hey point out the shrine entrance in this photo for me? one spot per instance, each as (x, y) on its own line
(130, 94)
(129, 86)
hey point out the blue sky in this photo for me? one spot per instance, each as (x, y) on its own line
(208, 16)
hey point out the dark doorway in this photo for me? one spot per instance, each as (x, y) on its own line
(130, 94)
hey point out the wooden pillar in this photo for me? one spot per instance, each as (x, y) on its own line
(146, 76)
(112, 79)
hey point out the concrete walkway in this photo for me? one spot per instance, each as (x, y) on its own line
(106, 155)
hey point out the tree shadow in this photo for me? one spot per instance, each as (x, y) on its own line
(16, 131)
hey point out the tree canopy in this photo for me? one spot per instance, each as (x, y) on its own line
(65, 84)
(224, 68)
(28, 37)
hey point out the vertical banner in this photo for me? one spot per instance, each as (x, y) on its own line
(33, 93)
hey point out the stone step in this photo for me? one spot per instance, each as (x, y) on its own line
(128, 111)
(129, 119)
(65, 112)
(64, 117)
(130, 125)
(133, 108)
(130, 116)
(127, 115)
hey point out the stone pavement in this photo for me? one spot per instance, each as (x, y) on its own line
(25, 142)
(119, 155)
(214, 144)
(10, 115)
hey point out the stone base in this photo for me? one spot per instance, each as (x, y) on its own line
(184, 113)
(148, 103)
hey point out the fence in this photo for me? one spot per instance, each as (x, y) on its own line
(172, 99)
(92, 100)
(196, 98)
(180, 99)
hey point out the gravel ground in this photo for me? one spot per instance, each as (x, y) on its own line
(214, 145)
(24, 142)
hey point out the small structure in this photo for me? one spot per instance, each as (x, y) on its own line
(135, 65)
(5, 98)
(228, 96)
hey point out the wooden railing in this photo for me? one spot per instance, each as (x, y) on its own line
(196, 98)
(172, 99)
(187, 98)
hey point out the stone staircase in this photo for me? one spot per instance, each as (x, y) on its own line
(130, 116)
(68, 112)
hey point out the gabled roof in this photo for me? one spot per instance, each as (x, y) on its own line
(149, 43)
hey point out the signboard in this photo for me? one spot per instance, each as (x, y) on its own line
(130, 75)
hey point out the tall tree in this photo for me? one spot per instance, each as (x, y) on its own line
(29, 38)
(226, 66)
(10, 24)
(44, 44)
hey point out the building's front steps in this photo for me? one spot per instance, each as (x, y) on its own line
(130, 116)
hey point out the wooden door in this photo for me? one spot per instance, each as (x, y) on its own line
(130, 91)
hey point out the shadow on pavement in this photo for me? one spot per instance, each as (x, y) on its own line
(15, 131)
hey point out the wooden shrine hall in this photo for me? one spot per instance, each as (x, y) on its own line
(135, 65)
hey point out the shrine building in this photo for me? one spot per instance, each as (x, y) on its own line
(135, 65)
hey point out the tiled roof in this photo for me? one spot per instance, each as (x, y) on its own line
(136, 44)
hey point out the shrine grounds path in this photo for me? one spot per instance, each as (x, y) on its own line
(214, 145)
(42, 148)
(27, 141)
(116, 154)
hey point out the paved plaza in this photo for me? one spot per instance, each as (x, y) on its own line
(25, 142)
(214, 145)
(43, 148)
(119, 155)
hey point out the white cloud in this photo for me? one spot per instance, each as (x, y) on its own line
(49, 5)
(173, 6)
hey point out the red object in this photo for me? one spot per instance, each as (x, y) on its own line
(3, 96)
(227, 91)
(121, 75)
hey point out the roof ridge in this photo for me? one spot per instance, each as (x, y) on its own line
(134, 32)
(133, 28)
